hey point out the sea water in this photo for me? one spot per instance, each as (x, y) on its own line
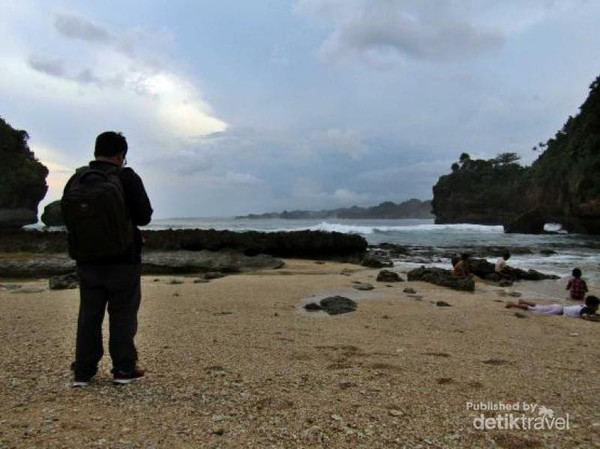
(428, 243)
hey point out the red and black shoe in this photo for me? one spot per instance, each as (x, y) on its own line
(124, 378)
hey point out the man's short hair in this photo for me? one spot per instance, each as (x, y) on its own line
(110, 143)
(576, 272)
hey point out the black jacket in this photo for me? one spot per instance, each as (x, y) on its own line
(140, 211)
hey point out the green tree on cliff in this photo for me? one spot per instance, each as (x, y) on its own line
(23, 177)
(561, 185)
(565, 176)
(506, 158)
(480, 191)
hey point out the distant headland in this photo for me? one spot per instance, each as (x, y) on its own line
(387, 210)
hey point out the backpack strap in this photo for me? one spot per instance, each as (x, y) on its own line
(87, 167)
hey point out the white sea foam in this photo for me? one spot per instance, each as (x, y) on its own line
(570, 251)
(343, 228)
(372, 229)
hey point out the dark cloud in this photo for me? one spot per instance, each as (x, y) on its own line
(86, 76)
(59, 69)
(47, 65)
(72, 26)
(76, 27)
(126, 42)
(382, 31)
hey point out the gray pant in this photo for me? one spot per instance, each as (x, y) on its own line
(117, 286)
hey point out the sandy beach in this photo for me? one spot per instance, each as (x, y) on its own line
(237, 362)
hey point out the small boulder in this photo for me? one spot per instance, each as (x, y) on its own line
(52, 215)
(335, 305)
(373, 261)
(313, 307)
(363, 286)
(388, 276)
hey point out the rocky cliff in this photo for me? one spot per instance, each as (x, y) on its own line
(559, 187)
(564, 179)
(22, 179)
(481, 191)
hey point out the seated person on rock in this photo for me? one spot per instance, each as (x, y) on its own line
(587, 311)
(462, 268)
(502, 269)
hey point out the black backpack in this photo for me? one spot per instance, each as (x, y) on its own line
(96, 215)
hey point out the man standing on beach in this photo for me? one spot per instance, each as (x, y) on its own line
(108, 256)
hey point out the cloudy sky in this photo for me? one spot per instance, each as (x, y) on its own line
(235, 107)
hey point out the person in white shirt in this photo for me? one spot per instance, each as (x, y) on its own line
(586, 311)
(501, 268)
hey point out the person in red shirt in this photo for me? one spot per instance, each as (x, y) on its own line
(577, 287)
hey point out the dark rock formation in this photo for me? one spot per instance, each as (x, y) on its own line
(561, 186)
(63, 281)
(531, 222)
(17, 218)
(485, 270)
(390, 250)
(376, 261)
(52, 215)
(333, 305)
(36, 266)
(315, 245)
(439, 276)
(564, 179)
(22, 179)
(302, 244)
(225, 261)
(159, 262)
(313, 307)
(388, 276)
(184, 251)
(21, 241)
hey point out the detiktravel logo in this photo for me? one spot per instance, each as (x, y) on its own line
(517, 416)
